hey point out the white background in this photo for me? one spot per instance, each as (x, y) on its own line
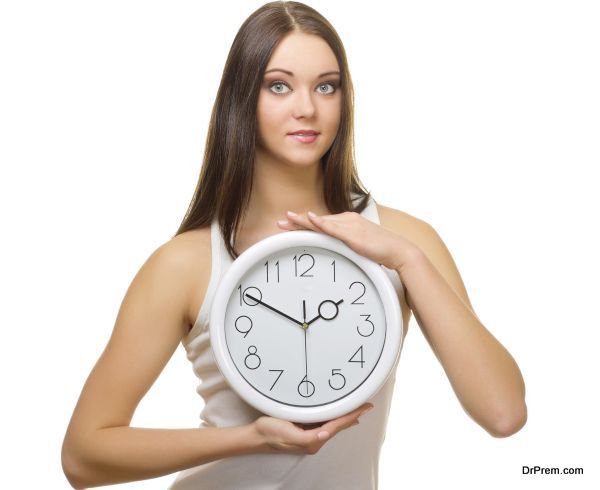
(481, 118)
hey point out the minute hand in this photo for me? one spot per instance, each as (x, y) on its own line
(274, 309)
(319, 315)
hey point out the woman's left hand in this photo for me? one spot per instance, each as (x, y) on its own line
(362, 235)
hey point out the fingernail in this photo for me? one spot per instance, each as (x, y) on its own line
(311, 214)
(283, 221)
(366, 410)
(323, 435)
(291, 213)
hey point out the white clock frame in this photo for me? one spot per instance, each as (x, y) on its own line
(371, 385)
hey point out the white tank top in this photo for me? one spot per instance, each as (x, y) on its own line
(349, 460)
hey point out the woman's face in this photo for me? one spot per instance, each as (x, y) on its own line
(308, 97)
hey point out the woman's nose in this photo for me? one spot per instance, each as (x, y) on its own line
(303, 104)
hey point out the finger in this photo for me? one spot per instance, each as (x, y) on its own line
(287, 225)
(329, 224)
(332, 218)
(348, 419)
(309, 436)
(336, 425)
(284, 223)
(300, 220)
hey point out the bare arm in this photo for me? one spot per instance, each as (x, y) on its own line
(483, 374)
(124, 454)
(99, 447)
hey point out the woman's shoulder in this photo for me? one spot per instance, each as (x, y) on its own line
(190, 252)
(415, 229)
(429, 241)
(401, 221)
(192, 237)
(187, 247)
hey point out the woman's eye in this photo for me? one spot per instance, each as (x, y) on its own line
(332, 85)
(274, 84)
(279, 84)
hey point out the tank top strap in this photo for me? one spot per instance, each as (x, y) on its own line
(370, 211)
(218, 254)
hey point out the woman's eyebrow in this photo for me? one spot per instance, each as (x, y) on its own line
(291, 74)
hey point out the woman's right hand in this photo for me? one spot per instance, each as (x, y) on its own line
(281, 436)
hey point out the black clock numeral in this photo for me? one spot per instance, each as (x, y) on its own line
(333, 373)
(280, 371)
(372, 327)
(266, 264)
(306, 389)
(298, 259)
(361, 361)
(363, 293)
(252, 360)
(243, 323)
(252, 291)
(333, 264)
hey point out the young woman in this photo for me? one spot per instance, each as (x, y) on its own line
(286, 74)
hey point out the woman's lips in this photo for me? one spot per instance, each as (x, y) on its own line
(308, 138)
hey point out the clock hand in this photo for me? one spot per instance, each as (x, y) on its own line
(305, 351)
(274, 309)
(304, 324)
(320, 316)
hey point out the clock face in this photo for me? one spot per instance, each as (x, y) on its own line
(304, 326)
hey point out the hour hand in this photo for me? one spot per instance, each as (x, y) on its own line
(274, 309)
(320, 315)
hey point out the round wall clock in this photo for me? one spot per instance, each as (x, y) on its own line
(305, 329)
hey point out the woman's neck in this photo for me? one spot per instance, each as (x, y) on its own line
(278, 188)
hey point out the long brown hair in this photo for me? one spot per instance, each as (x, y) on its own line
(229, 151)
